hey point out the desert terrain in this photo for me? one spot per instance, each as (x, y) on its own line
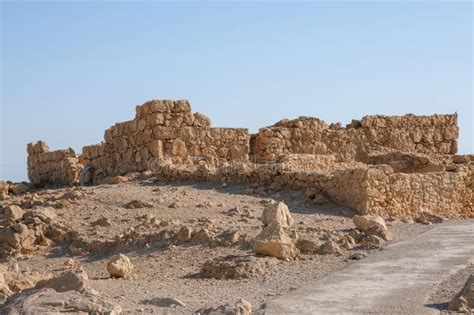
(211, 265)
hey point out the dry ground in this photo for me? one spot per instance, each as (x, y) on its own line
(165, 270)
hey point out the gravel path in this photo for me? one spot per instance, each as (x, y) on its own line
(397, 280)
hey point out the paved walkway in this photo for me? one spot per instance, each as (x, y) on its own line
(397, 280)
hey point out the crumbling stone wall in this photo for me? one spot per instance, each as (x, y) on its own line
(52, 167)
(436, 134)
(379, 190)
(164, 129)
(386, 165)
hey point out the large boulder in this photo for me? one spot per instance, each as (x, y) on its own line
(120, 266)
(277, 213)
(372, 225)
(464, 300)
(274, 241)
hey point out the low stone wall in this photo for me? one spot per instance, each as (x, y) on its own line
(45, 167)
(436, 134)
(378, 190)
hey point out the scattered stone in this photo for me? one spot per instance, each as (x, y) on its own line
(13, 212)
(102, 222)
(137, 204)
(277, 213)
(48, 301)
(21, 188)
(120, 266)
(372, 225)
(308, 246)
(331, 248)
(319, 199)
(176, 205)
(233, 267)
(66, 282)
(185, 234)
(242, 307)
(202, 236)
(274, 241)
(73, 195)
(4, 289)
(358, 255)
(372, 242)
(164, 302)
(464, 300)
(69, 263)
(428, 217)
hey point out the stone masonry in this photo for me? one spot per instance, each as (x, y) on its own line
(392, 166)
(60, 167)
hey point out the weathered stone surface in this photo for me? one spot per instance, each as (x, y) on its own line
(120, 266)
(277, 213)
(274, 241)
(464, 300)
(234, 267)
(164, 302)
(52, 167)
(13, 212)
(48, 301)
(242, 307)
(372, 225)
(66, 282)
(381, 165)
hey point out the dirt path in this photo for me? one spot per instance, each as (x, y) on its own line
(397, 280)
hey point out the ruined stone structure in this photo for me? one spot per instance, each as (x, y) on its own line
(60, 167)
(163, 129)
(386, 165)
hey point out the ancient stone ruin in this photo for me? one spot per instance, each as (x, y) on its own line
(391, 166)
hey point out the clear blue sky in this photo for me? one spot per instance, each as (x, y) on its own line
(71, 70)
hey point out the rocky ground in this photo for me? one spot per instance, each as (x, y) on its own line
(189, 247)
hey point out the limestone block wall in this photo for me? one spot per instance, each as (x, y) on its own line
(59, 167)
(378, 190)
(436, 134)
(164, 129)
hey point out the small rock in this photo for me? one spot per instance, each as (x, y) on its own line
(102, 222)
(428, 217)
(69, 263)
(164, 302)
(13, 212)
(320, 200)
(372, 225)
(242, 307)
(21, 188)
(308, 246)
(277, 213)
(331, 248)
(185, 234)
(120, 266)
(274, 241)
(136, 204)
(358, 255)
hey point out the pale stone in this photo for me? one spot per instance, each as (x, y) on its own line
(277, 213)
